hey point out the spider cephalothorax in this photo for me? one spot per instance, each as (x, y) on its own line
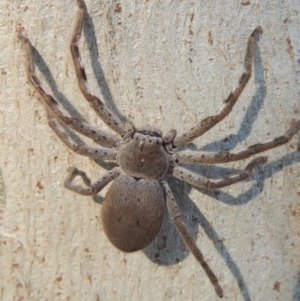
(133, 208)
(145, 156)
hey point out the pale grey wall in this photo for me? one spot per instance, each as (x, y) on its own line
(170, 63)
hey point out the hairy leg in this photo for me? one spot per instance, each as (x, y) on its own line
(89, 189)
(199, 157)
(105, 113)
(211, 121)
(188, 239)
(81, 149)
(57, 110)
(202, 182)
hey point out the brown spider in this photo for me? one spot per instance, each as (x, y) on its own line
(133, 208)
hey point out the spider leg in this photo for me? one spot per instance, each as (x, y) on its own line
(188, 239)
(202, 182)
(105, 113)
(81, 149)
(207, 123)
(58, 111)
(90, 189)
(198, 157)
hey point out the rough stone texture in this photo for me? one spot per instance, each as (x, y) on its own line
(167, 64)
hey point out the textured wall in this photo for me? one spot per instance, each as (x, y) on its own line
(168, 64)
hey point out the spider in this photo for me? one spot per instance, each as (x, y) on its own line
(133, 208)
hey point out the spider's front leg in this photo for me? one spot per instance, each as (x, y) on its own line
(176, 218)
(105, 113)
(57, 110)
(89, 189)
(210, 121)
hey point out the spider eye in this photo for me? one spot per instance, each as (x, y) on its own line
(153, 133)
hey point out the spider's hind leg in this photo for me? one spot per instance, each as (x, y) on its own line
(176, 218)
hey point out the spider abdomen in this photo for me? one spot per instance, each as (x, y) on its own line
(132, 219)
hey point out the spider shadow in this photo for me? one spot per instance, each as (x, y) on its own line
(266, 171)
(88, 30)
(251, 114)
(89, 34)
(162, 251)
(67, 105)
(168, 247)
(91, 41)
(90, 37)
(296, 296)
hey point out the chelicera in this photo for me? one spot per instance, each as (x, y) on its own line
(133, 208)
